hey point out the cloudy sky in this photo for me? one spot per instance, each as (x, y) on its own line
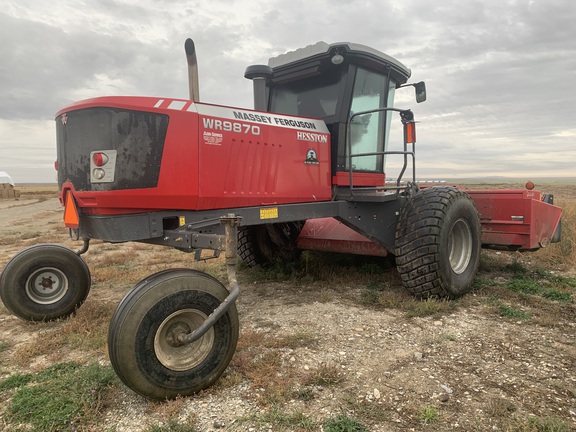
(500, 74)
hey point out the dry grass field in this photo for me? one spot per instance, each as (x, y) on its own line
(332, 343)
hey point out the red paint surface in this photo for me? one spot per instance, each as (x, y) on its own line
(515, 217)
(241, 170)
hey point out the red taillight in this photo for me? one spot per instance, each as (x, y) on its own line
(56, 165)
(99, 159)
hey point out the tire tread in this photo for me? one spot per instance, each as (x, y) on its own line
(418, 249)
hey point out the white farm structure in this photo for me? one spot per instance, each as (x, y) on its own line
(7, 186)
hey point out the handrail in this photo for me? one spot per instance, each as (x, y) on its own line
(379, 153)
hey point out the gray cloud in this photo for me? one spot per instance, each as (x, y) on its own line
(499, 73)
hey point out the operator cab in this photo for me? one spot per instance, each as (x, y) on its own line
(337, 83)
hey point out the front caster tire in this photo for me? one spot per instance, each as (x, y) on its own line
(438, 242)
(142, 338)
(44, 282)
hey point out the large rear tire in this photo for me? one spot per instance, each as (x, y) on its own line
(438, 242)
(264, 244)
(44, 282)
(142, 335)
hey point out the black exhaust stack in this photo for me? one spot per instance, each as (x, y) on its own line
(192, 70)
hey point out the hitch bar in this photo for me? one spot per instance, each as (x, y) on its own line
(231, 223)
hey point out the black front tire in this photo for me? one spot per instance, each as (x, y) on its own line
(438, 242)
(141, 337)
(44, 282)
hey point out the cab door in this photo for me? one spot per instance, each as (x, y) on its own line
(362, 147)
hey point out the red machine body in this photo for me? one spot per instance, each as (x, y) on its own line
(235, 157)
(216, 157)
(137, 155)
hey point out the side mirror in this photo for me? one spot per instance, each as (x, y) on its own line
(420, 88)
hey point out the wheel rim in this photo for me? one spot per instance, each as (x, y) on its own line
(460, 246)
(47, 285)
(173, 354)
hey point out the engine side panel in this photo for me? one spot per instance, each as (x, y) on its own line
(250, 158)
(176, 154)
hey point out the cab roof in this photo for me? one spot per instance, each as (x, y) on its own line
(314, 58)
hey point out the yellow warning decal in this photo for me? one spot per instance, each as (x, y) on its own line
(182, 221)
(269, 213)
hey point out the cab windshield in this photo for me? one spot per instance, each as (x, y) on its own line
(315, 97)
(322, 97)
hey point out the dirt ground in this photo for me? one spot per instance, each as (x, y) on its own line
(478, 370)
